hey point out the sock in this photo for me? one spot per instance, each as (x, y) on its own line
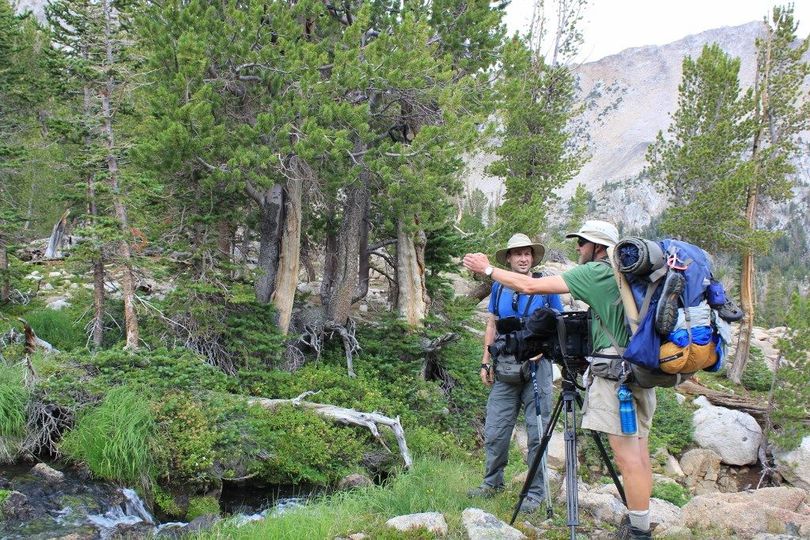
(640, 519)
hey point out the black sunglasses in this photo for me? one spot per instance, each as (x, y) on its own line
(581, 241)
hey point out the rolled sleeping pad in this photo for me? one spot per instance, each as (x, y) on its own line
(639, 256)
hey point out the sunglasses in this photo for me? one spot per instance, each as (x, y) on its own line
(581, 241)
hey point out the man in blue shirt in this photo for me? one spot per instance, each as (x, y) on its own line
(505, 399)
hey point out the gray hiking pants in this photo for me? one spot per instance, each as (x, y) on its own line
(504, 404)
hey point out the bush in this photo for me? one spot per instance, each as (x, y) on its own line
(115, 439)
(672, 424)
(59, 328)
(202, 506)
(672, 492)
(757, 376)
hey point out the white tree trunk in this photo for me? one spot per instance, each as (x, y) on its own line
(413, 300)
(346, 416)
(290, 258)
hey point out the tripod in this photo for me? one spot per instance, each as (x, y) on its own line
(567, 402)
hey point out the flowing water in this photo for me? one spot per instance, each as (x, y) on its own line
(86, 509)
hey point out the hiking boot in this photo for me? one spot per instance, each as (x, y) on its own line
(666, 314)
(529, 505)
(484, 491)
(625, 531)
(731, 312)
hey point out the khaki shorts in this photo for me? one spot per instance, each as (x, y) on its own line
(601, 408)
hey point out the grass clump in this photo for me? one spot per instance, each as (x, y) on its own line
(13, 400)
(116, 438)
(59, 328)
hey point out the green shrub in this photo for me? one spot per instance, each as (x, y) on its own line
(672, 492)
(59, 328)
(672, 424)
(13, 401)
(756, 375)
(186, 452)
(202, 506)
(166, 502)
(4, 493)
(116, 439)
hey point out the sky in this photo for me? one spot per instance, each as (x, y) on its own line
(610, 26)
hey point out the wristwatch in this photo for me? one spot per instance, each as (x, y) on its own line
(485, 366)
(488, 270)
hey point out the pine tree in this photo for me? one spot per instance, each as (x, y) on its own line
(700, 163)
(781, 114)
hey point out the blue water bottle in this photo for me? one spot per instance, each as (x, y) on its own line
(627, 409)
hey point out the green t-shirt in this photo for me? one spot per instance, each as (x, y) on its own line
(594, 284)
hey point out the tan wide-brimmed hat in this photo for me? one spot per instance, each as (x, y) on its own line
(520, 240)
(598, 232)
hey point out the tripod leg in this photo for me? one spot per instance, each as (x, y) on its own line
(555, 415)
(571, 463)
(606, 459)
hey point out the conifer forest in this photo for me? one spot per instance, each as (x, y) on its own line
(230, 242)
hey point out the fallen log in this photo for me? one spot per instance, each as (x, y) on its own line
(347, 416)
(754, 407)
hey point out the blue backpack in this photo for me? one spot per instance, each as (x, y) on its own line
(679, 330)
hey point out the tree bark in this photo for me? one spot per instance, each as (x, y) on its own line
(224, 240)
(339, 302)
(97, 331)
(412, 300)
(290, 257)
(271, 222)
(127, 282)
(364, 265)
(55, 240)
(329, 261)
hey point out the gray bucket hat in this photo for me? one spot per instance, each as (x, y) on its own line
(598, 232)
(520, 240)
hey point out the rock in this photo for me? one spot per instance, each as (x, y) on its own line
(680, 398)
(665, 514)
(481, 525)
(353, 481)
(432, 521)
(673, 468)
(750, 513)
(47, 287)
(47, 473)
(794, 466)
(555, 456)
(16, 507)
(201, 523)
(602, 502)
(677, 532)
(58, 303)
(54, 274)
(131, 531)
(359, 536)
(34, 276)
(702, 468)
(734, 435)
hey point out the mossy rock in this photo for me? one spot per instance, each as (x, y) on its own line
(202, 506)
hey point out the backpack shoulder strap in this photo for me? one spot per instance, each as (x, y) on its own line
(497, 289)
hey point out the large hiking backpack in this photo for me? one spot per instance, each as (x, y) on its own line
(679, 329)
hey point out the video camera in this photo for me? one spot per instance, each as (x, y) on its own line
(563, 338)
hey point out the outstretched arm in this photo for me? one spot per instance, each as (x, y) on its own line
(478, 262)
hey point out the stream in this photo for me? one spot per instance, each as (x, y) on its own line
(37, 508)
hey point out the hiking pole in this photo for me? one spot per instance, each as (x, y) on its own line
(540, 431)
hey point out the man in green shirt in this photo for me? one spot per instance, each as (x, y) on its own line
(593, 282)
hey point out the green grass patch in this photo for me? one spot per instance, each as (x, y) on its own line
(13, 400)
(202, 506)
(116, 438)
(59, 328)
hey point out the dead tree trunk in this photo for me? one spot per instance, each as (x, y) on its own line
(55, 240)
(97, 324)
(271, 220)
(413, 300)
(127, 282)
(329, 261)
(290, 257)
